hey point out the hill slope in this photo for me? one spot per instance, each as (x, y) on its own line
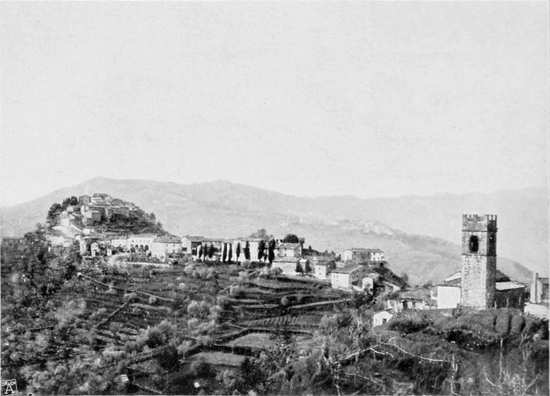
(226, 209)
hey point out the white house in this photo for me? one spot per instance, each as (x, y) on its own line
(94, 249)
(119, 241)
(446, 296)
(381, 317)
(539, 289)
(367, 284)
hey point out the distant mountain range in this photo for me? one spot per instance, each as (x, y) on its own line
(420, 235)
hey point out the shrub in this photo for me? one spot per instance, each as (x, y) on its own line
(409, 322)
(276, 271)
(200, 368)
(189, 269)
(198, 310)
(169, 359)
(235, 291)
(516, 324)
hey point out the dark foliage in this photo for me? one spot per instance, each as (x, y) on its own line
(291, 238)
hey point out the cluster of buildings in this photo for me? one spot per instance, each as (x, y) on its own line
(94, 208)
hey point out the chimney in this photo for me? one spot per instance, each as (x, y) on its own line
(533, 292)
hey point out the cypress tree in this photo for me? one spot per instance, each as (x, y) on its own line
(247, 251)
(261, 247)
(238, 251)
(271, 251)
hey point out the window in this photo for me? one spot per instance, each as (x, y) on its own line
(474, 244)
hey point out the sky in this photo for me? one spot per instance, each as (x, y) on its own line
(362, 98)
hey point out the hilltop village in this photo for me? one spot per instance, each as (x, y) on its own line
(123, 306)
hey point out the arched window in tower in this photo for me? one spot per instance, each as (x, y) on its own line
(474, 244)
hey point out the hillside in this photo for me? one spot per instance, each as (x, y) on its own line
(226, 210)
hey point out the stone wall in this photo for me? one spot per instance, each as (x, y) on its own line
(478, 281)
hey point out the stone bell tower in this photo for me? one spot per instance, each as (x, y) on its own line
(479, 260)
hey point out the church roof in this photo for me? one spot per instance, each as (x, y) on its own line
(509, 285)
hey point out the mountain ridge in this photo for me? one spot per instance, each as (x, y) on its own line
(96, 179)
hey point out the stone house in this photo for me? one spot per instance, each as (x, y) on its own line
(510, 295)
(163, 246)
(347, 277)
(322, 267)
(84, 200)
(191, 242)
(363, 255)
(141, 241)
(90, 214)
(286, 249)
(288, 265)
(100, 198)
(118, 210)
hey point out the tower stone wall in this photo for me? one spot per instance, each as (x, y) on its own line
(478, 260)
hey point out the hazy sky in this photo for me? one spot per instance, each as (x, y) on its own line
(359, 98)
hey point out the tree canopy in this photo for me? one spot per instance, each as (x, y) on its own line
(291, 238)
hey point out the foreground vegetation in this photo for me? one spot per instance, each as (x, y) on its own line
(73, 327)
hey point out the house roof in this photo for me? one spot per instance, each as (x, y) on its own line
(167, 239)
(144, 235)
(348, 269)
(286, 260)
(367, 250)
(415, 294)
(509, 285)
(194, 238)
(455, 276)
(289, 245)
